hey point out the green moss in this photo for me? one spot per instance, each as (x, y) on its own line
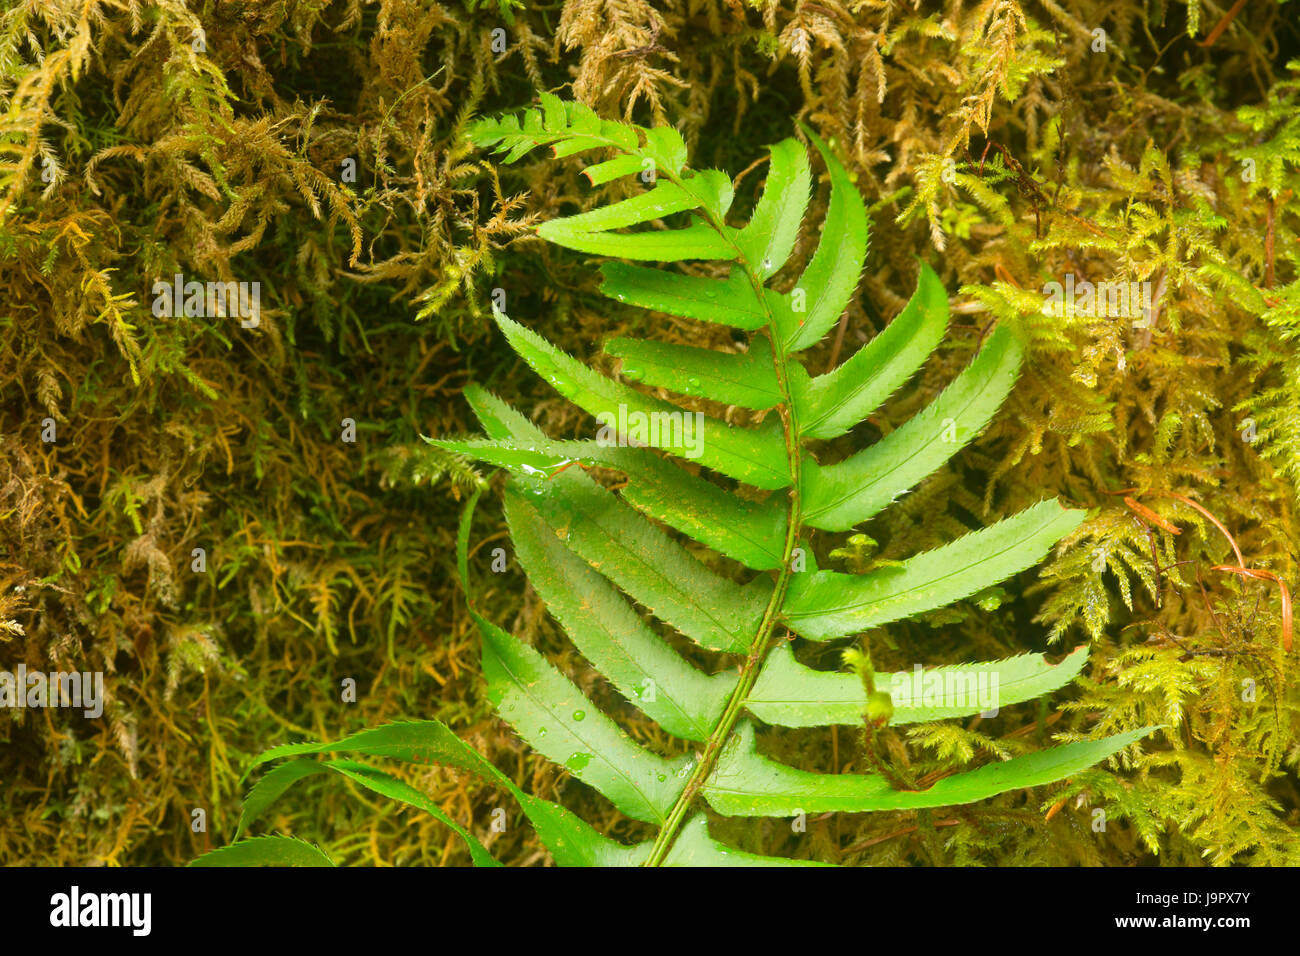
(1011, 153)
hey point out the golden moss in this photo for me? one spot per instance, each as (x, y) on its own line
(1008, 144)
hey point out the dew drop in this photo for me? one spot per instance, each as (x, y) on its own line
(633, 373)
(579, 715)
(767, 263)
(577, 762)
(662, 777)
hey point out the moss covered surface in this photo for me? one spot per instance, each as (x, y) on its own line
(1007, 144)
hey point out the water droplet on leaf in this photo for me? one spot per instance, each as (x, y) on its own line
(577, 762)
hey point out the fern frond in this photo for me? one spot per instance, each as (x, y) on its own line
(595, 555)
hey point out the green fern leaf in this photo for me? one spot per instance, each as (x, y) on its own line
(756, 457)
(271, 787)
(611, 635)
(838, 497)
(788, 694)
(821, 605)
(553, 715)
(265, 851)
(747, 784)
(746, 379)
(831, 404)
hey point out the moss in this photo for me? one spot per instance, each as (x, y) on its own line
(997, 141)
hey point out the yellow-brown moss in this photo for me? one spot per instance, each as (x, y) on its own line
(994, 140)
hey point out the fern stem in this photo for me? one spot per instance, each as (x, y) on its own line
(726, 723)
(763, 639)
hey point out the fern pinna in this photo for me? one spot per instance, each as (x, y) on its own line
(588, 550)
